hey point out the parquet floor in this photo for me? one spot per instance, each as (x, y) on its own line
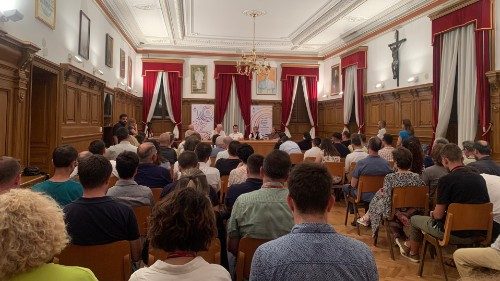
(401, 268)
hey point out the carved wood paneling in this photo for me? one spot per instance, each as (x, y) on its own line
(330, 117)
(494, 79)
(4, 97)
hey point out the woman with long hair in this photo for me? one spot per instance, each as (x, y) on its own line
(406, 132)
(413, 144)
(328, 154)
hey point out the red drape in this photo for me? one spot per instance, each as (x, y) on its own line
(222, 92)
(361, 100)
(286, 99)
(483, 89)
(148, 66)
(244, 90)
(359, 59)
(299, 71)
(312, 95)
(148, 86)
(175, 88)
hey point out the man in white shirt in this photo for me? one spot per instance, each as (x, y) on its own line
(357, 154)
(289, 146)
(224, 154)
(315, 151)
(493, 185)
(218, 131)
(203, 151)
(236, 135)
(381, 129)
(123, 145)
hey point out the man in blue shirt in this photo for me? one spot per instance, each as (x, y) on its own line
(313, 250)
(148, 173)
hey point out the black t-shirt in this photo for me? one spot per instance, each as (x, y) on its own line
(97, 221)
(116, 127)
(305, 144)
(225, 166)
(346, 143)
(342, 149)
(168, 154)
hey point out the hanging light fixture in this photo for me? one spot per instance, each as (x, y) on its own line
(252, 62)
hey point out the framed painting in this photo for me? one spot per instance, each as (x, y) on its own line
(108, 56)
(45, 11)
(335, 88)
(122, 63)
(266, 83)
(129, 72)
(84, 38)
(198, 79)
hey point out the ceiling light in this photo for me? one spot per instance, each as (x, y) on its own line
(380, 85)
(98, 71)
(413, 79)
(72, 57)
(13, 15)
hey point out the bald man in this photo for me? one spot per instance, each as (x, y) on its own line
(10, 173)
(219, 130)
(166, 150)
(224, 154)
(82, 155)
(148, 173)
(484, 163)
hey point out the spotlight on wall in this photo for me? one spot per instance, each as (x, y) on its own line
(72, 57)
(129, 88)
(120, 83)
(380, 85)
(341, 93)
(13, 15)
(325, 95)
(98, 71)
(413, 79)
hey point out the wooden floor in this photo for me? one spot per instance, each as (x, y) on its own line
(401, 268)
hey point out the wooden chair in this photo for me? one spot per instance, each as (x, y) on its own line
(223, 187)
(460, 217)
(352, 166)
(336, 169)
(212, 161)
(212, 255)
(296, 158)
(246, 249)
(112, 181)
(391, 164)
(109, 262)
(309, 159)
(156, 193)
(404, 197)
(365, 184)
(142, 214)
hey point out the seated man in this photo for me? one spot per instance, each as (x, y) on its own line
(264, 213)
(166, 150)
(219, 130)
(148, 173)
(60, 187)
(123, 144)
(126, 190)
(226, 165)
(236, 135)
(218, 145)
(471, 261)
(337, 142)
(484, 164)
(96, 219)
(99, 147)
(493, 185)
(255, 134)
(82, 155)
(469, 156)
(357, 154)
(253, 181)
(203, 151)
(10, 173)
(312, 250)
(387, 148)
(454, 187)
(239, 174)
(224, 154)
(314, 151)
(288, 146)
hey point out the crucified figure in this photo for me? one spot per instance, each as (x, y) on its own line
(395, 56)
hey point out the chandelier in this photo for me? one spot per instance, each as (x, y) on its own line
(252, 62)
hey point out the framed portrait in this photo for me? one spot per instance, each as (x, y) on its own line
(122, 63)
(266, 83)
(45, 11)
(129, 72)
(108, 56)
(84, 38)
(335, 88)
(198, 79)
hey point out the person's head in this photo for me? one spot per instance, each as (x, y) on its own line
(123, 119)
(191, 127)
(436, 154)
(183, 221)
(147, 153)
(406, 125)
(159, 157)
(232, 149)
(255, 129)
(440, 140)
(191, 142)
(219, 142)
(307, 136)
(219, 128)
(309, 187)
(336, 137)
(413, 144)
(387, 140)
(283, 137)
(33, 231)
(276, 166)
(402, 158)
(187, 133)
(328, 148)
(346, 135)
(164, 140)
(451, 156)
(141, 136)
(254, 164)
(316, 142)
(187, 160)
(235, 128)
(356, 140)
(244, 151)
(374, 145)
(227, 140)
(10, 173)
(468, 148)
(126, 164)
(381, 124)
(481, 149)
(203, 151)
(122, 134)
(194, 178)
(82, 155)
(97, 147)
(363, 139)
(94, 172)
(64, 157)
(214, 139)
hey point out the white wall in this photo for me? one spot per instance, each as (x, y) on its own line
(324, 93)
(56, 44)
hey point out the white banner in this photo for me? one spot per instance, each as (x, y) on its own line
(202, 118)
(262, 117)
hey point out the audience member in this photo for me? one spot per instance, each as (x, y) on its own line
(132, 132)
(314, 151)
(148, 173)
(187, 133)
(122, 123)
(471, 262)
(141, 136)
(432, 174)
(99, 147)
(224, 154)
(159, 161)
(239, 174)
(381, 129)
(288, 146)
(281, 137)
(493, 185)
(96, 219)
(337, 142)
(189, 145)
(312, 250)
(484, 164)
(454, 187)
(225, 166)
(263, 213)
(126, 189)
(357, 154)
(33, 232)
(10, 173)
(387, 148)
(253, 180)
(203, 151)
(81, 155)
(346, 138)
(428, 158)
(218, 145)
(166, 150)
(255, 134)
(328, 152)
(275, 134)
(417, 163)
(468, 150)
(236, 135)
(219, 130)
(60, 186)
(306, 142)
(187, 160)
(406, 132)
(123, 145)
(195, 178)
(363, 143)
(182, 225)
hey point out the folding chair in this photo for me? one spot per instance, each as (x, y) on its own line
(296, 158)
(142, 214)
(246, 249)
(212, 161)
(309, 159)
(223, 187)
(156, 193)
(112, 181)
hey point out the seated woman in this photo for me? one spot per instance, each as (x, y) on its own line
(182, 225)
(381, 202)
(328, 154)
(33, 232)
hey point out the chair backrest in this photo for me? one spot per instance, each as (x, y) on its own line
(141, 215)
(212, 255)
(112, 181)
(109, 262)
(336, 169)
(410, 197)
(223, 187)
(296, 158)
(310, 159)
(352, 166)
(246, 250)
(391, 164)
(468, 217)
(369, 184)
(212, 161)
(156, 193)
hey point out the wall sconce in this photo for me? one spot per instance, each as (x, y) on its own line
(380, 85)
(72, 57)
(413, 79)
(120, 83)
(98, 71)
(341, 93)
(325, 95)
(13, 15)
(129, 88)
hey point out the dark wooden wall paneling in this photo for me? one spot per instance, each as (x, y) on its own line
(494, 79)
(125, 102)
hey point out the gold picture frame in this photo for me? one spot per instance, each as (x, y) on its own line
(266, 84)
(335, 75)
(198, 79)
(45, 11)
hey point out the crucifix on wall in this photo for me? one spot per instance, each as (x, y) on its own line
(395, 56)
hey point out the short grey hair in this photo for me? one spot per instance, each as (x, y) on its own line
(145, 151)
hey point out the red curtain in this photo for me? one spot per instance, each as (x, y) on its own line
(483, 89)
(361, 100)
(148, 87)
(175, 88)
(286, 98)
(244, 90)
(312, 95)
(222, 92)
